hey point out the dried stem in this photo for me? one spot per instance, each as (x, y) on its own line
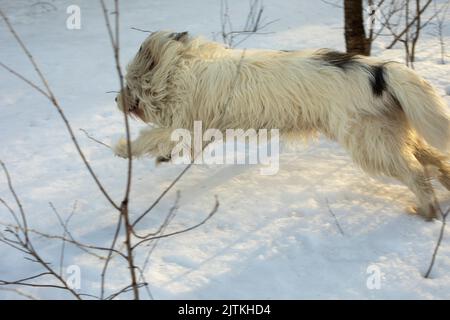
(438, 243)
(115, 43)
(55, 103)
(94, 139)
(27, 247)
(18, 236)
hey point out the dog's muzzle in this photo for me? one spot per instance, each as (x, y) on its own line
(128, 104)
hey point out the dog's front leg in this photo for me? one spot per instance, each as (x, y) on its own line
(155, 142)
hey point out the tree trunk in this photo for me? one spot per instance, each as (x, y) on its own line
(355, 34)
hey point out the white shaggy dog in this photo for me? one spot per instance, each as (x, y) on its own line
(388, 118)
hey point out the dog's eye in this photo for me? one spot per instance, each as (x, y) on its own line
(140, 49)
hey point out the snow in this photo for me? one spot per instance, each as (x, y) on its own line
(273, 236)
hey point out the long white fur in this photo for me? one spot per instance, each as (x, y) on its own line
(178, 81)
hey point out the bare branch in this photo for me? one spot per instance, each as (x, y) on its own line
(141, 30)
(166, 220)
(55, 103)
(24, 224)
(29, 82)
(26, 279)
(94, 139)
(338, 225)
(252, 26)
(82, 246)
(29, 249)
(12, 244)
(65, 233)
(28, 53)
(11, 211)
(409, 25)
(108, 258)
(20, 293)
(438, 243)
(116, 49)
(13, 234)
(210, 215)
(441, 232)
(182, 173)
(333, 4)
(115, 43)
(126, 289)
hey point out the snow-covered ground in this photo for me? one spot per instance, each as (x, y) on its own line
(273, 236)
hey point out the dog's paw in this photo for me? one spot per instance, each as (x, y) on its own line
(121, 149)
(428, 213)
(161, 159)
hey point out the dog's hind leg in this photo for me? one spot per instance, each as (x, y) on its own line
(384, 147)
(429, 156)
(418, 182)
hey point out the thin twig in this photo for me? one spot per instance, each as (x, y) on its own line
(24, 224)
(28, 278)
(141, 30)
(163, 227)
(126, 289)
(20, 293)
(65, 232)
(335, 218)
(146, 286)
(108, 258)
(169, 216)
(94, 139)
(27, 52)
(441, 232)
(29, 82)
(13, 214)
(438, 244)
(210, 215)
(28, 247)
(409, 25)
(115, 43)
(180, 175)
(82, 246)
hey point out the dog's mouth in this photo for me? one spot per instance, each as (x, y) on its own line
(135, 111)
(134, 106)
(130, 105)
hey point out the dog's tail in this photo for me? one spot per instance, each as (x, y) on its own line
(426, 111)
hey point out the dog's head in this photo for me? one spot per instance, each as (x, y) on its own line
(149, 76)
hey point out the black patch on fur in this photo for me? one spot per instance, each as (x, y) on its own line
(377, 79)
(345, 61)
(337, 59)
(162, 159)
(178, 36)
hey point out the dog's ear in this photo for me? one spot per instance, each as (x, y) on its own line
(180, 36)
